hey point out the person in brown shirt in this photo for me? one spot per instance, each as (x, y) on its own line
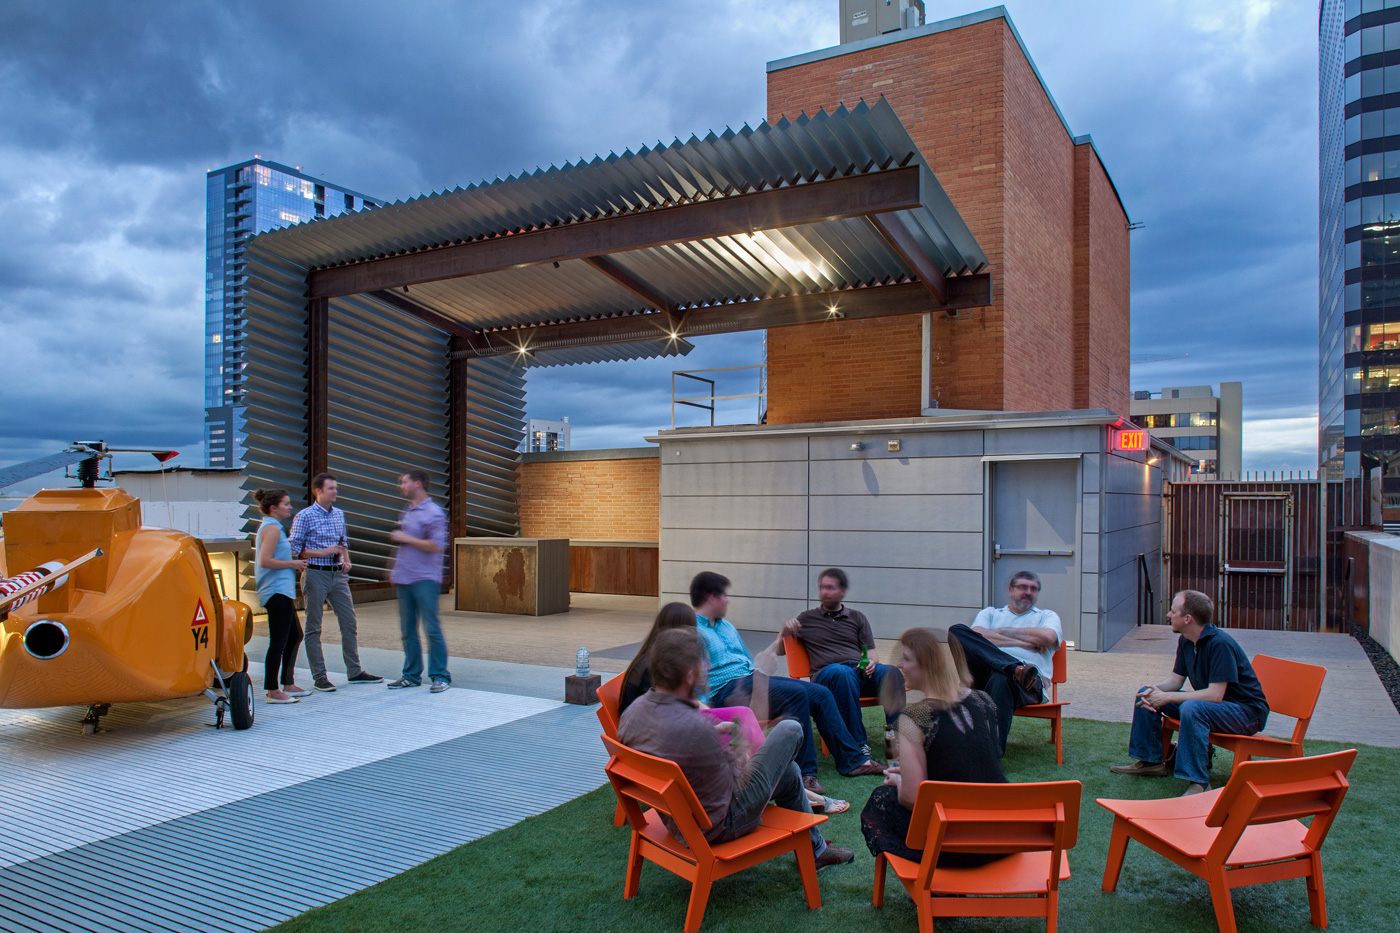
(733, 786)
(835, 635)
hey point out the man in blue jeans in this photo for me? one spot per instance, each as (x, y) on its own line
(421, 538)
(1225, 697)
(733, 682)
(835, 636)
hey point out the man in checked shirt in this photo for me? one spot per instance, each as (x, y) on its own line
(318, 536)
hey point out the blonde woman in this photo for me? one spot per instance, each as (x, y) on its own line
(949, 735)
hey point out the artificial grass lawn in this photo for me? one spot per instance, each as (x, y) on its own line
(563, 870)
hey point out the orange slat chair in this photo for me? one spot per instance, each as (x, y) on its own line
(1247, 832)
(609, 698)
(1051, 710)
(799, 667)
(1037, 823)
(640, 779)
(1292, 689)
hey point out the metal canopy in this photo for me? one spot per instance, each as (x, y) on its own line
(836, 215)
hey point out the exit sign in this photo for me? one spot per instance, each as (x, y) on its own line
(1132, 440)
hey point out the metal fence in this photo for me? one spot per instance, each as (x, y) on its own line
(1268, 552)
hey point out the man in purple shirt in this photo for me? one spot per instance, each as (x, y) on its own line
(421, 538)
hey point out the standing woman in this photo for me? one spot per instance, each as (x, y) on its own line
(949, 735)
(277, 588)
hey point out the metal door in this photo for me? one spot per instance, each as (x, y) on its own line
(1035, 527)
(1256, 560)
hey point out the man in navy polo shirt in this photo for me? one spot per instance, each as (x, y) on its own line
(1226, 697)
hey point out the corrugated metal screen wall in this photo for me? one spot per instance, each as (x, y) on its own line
(495, 421)
(388, 404)
(387, 407)
(274, 365)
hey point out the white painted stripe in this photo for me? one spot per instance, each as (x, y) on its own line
(162, 761)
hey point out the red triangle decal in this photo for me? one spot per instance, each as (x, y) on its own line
(199, 617)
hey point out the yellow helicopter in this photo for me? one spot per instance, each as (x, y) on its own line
(102, 610)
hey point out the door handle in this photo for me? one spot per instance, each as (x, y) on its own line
(998, 552)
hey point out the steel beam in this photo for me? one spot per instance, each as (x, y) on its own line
(652, 297)
(873, 193)
(907, 248)
(968, 291)
(442, 322)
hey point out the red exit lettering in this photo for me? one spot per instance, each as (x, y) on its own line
(1132, 440)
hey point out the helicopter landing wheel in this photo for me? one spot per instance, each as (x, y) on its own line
(240, 700)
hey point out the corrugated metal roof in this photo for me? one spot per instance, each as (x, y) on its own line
(822, 257)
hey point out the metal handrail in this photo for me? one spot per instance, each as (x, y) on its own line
(1145, 605)
(695, 401)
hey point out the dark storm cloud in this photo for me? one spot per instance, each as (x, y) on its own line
(110, 113)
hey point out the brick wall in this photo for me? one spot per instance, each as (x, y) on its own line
(973, 105)
(604, 499)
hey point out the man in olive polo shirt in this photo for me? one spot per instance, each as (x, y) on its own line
(1226, 697)
(834, 636)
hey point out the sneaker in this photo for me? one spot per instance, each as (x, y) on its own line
(440, 686)
(324, 685)
(1193, 788)
(865, 752)
(365, 677)
(401, 683)
(1143, 768)
(276, 700)
(294, 691)
(834, 855)
(809, 781)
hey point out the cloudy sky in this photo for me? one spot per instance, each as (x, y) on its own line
(111, 113)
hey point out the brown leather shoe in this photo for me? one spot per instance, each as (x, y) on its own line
(809, 781)
(1142, 768)
(1028, 677)
(870, 767)
(834, 855)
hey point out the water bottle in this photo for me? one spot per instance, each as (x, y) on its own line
(581, 663)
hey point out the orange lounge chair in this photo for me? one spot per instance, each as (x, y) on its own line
(1292, 689)
(609, 698)
(1052, 709)
(800, 668)
(1037, 823)
(640, 779)
(1247, 832)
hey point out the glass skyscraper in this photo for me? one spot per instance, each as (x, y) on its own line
(242, 200)
(1359, 242)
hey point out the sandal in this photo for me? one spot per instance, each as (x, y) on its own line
(831, 806)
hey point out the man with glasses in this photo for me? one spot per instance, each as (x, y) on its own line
(1010, 650)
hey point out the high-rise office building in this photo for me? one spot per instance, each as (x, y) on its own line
(1193, 419)
(543, 436)
(1359, 242)
(242, 200)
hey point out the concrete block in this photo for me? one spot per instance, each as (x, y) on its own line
(1089, 593)
(1092, 465)
(949, 550)
(780, 581)
(582, 690)
(885, 586)
(1089, 552)
(774, 478)
(911, 445)
(944, 513)
(1059, 439)
(1124, 475)
(734, 450)
(1090, 512)
(932, 475)
(734, 546)
(759, 513)
(1128, 510)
